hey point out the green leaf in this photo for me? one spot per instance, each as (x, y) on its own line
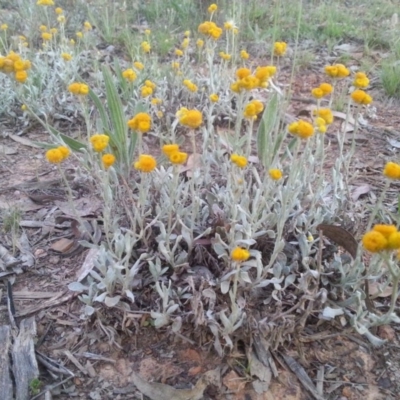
(268, 123)
(100, 108)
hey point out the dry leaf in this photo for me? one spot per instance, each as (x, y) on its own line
(341, 237)
(62, 245)
(233, 381)
(24, 141)
(88, 264)
(360, 190)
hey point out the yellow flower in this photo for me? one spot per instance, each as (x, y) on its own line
(301, 128)
(168, 149)
(54, 156)
(3, 27)
(61, 19)
(252, 109)
(337, 71)
(21, 76)
(178, 157)
(178, 52)
(240, 161)
(394, 241)
(146, 163)
(321, 125)
(147, 32)
(87, 26)
(159, 114)
(53, 31)
(150, 84)
(244, 55)
(45, 3)
(146, 91)
(155, 101)
(385, 230)
(138, 65)
(280, 48)
(392, 170)
(239, 254)
(213, 7)
(214, 98)
(108, 160)
(186, 33)
(141, 122)
(360, 97)
(78, 88)
(24, 107)
(79, 35)
(325, 114)
(361, 80)
(225, 56)
(66, 56)
(190, 85)
(58, 10)
(145, 47)
(175, 65)
(129, 74)
(249, 82)
(65, 151)
(46, 36)
(317, 93)
(242, 73)
(99, 142)
(275, 174)
(190, 118)
(19, 65)
(211, 29)
(327, 88)
(185, 43)
(72, 42)
(228, 25)
(374, 241)
(264, 73)
(199, 43)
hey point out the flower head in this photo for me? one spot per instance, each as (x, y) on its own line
(317, 93)
(178, 52)
(275, 174)
(361, 80)
(191, 118)
(66, 56)
(21, 76)
(58, 155)
(108, 160)
(145, 46)
(280, 48)
(168, 149)
(325, 114)
(45, 3)
(214, 97)
(178, 157)
(129, 74)
(210, 29)
(360, 97)
(99, 142)
(138, 65)
(337, 71)
(141, 122)
(79, 89)
(146, 91)
(87, 26)
(240, 161)
(327, 88)
(374, 241)
(58, 10)
(3, 27)
(146, 163)
(392, 170)
(239, 254)
(301, 128)
(212, 8)
(252, 109)
(244, 55)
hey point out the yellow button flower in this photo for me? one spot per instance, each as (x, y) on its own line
(317, 93)
(392, 170)
(145, 46)
(361, 80)
(190, 118)
(168, 149)
(212, 8)
(138, 65)
(108, 160)
(99, 142)
(178, 52)
(242, 73)
(66, 56)
(239, 254)
(178, 157)
(129, 74)
(79, 89)
(275, 174)
(301, 128)
(337, 71)
(141, 122)
(244, 55)
(58, 10)
(240, 161)
(280, 48)
(21, 76)
(146, 163)
(327, 88)
(46, 36)
(252, 109)
(374, 241)
(325, 114)
(214, 98)
(360, 97)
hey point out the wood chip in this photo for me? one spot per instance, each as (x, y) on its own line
(6, 386)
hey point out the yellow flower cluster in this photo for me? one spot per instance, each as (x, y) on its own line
(99, 142)
(210, 29)
(225, 56)
(200, 43)
(174, 154)
(337, 71)
(190, 85)
(129, 74)
(57, 155)
(146, 163)
(108, 160)
(361, 80)
(212, 8)
(275, 174)
(190, 118)
(244, 55)
(87, 26)
(323, 90)
(361, 97)
(145, 46)
(12, 63)
(280, 49)
(214, 97)
(392, 170)
(148, 88)
(239, 254)
(185, 43)
(324, 117)
(141, 122)
(382, 237)
(138, 65)
(301, 128)
(78, 89)
(247, 81)
(45, 3)
(240, 161)
(66, 56)
(178, 52)
(252, 109)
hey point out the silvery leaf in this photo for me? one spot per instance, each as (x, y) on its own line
(77, 287)
(112, 301)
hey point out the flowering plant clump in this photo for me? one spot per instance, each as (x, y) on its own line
(12, 63)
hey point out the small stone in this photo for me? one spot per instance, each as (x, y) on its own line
(54, 260)
(40, 253)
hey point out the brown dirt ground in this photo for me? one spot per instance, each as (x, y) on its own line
(353, 369)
